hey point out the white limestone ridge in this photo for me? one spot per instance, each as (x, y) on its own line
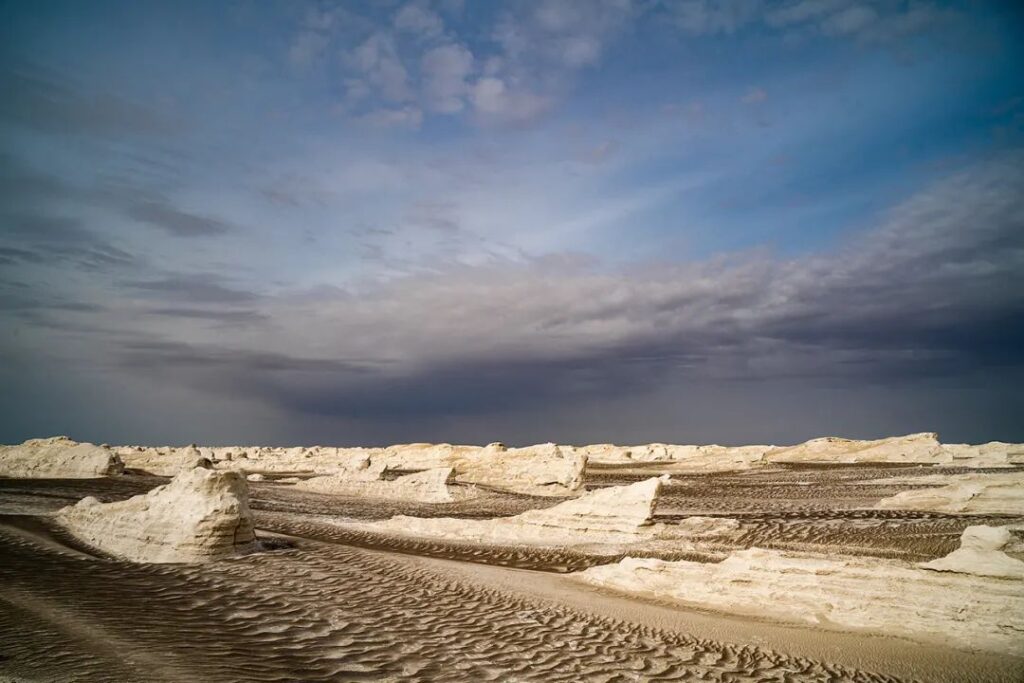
(1001, 493)
(58, 457)
(972, 598)
(618, 515)
(200, 515)
(615, 508)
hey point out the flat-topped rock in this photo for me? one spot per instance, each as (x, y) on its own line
(58, 458)
(934, 603)
(1001, 493)
(200, 515)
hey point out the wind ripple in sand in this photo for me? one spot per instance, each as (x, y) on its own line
(330, 613)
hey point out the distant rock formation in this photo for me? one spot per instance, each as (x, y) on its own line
(923, 448)
(998, 494)
(428, 486)
(58, 457)
(954, 601)
(200, 515)
(541, 470)
(684, 459)
(915, 448)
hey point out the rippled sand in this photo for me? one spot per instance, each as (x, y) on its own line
(336, 605)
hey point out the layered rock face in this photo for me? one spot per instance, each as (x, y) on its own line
(1000, 494)
(200, 515)
(954, 600)
(58, 458)
(428, 486)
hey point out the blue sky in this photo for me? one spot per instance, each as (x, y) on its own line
(598, 220)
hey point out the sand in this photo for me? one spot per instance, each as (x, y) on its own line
(333, 598)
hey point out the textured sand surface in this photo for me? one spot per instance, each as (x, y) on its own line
(333, 599)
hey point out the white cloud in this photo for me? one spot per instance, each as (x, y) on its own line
(849, 21)
(403, 117)
(378, 61)
(445, 70)
(754, 96)
(419, 20)
(701, 17)
(496, 101)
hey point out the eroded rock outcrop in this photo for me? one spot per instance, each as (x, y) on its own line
(200, 515)
(953, 603)
(982, 552)
(58, 458)
(428, 486)
(1001, 493)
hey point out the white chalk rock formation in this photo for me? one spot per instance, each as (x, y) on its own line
(982, 552)
(923, 448)
(541, 470)
(163, 461)
(58, 458)
(991, 454)
(949, 606)
(429, 486)
(681, 458)
(1000, 494)
(915, 448)
(615, 515)
(200, 515)
(622, 509)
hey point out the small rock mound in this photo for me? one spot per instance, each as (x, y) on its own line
(200, 515)
(981, 552)
(58, 458)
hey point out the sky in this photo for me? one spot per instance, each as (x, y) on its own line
(693, 221)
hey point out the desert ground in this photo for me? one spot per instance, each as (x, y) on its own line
(833, 560)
